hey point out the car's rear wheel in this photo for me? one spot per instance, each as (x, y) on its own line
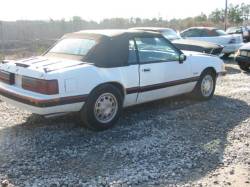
(244, 66)
(205, 87)
(103, 108)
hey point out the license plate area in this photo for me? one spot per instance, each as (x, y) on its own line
(18, 81)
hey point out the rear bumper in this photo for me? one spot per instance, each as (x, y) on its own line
(43, 106)
(231, 48)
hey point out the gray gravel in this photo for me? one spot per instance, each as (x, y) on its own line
(172, 142)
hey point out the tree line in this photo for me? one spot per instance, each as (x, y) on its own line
(21, 31)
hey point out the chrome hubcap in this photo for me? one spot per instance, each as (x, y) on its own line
(207, 85)
(106, 107)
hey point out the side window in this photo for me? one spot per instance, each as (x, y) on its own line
(155, 50)
(211, 33)
(132, 58)
(191, 33)
(187, 33)
(199, 33)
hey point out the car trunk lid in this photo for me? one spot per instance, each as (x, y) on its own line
(38, 65)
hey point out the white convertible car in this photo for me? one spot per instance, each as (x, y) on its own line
(97, 73)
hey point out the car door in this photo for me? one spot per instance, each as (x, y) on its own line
(161, 73)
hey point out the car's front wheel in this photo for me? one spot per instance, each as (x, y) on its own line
(205, 87)
(103, 108)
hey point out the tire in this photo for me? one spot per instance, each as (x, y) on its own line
(204, 91)
(103, 108)
(244, 66)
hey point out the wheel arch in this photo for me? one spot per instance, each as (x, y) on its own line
(212, 69)
(87, 116)
(117, 85)
(196, 91)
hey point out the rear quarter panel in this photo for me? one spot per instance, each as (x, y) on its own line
(82, 80)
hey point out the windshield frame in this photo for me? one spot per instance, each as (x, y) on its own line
(178, 37)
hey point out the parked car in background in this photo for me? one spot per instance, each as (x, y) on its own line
(185, 44)
(231, 43)
(97, 73)
(242, 57)
(243, 30)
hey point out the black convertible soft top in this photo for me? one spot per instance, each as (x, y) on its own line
(112, 46)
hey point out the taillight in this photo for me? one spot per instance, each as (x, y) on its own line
(48, 87)
(7, 77)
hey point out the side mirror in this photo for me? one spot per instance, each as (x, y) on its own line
(182, 58)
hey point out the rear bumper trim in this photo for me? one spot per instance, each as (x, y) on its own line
(43, 103)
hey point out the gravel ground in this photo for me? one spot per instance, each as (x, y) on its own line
(173, 142)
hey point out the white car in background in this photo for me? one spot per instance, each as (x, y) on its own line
(230, 42)
(97, 73)
(185, 44)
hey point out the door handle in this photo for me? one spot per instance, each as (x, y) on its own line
(146, 70)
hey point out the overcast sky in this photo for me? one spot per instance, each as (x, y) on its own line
(99, 9)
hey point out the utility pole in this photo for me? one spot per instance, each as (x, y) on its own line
(2, 41)
(225, 19)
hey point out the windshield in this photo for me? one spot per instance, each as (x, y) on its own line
(170, 35)
(221, 32)
(73, 46)
(232, 30)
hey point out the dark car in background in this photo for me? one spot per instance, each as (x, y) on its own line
(243, 57)
(185, 44)
(243, 30)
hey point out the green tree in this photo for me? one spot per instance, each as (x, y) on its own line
(235, 14)
(245, 11)
(217, 16)
(201, 18)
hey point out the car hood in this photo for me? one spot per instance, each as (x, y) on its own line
(188, 53)
(202, 44)
(195, 53)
